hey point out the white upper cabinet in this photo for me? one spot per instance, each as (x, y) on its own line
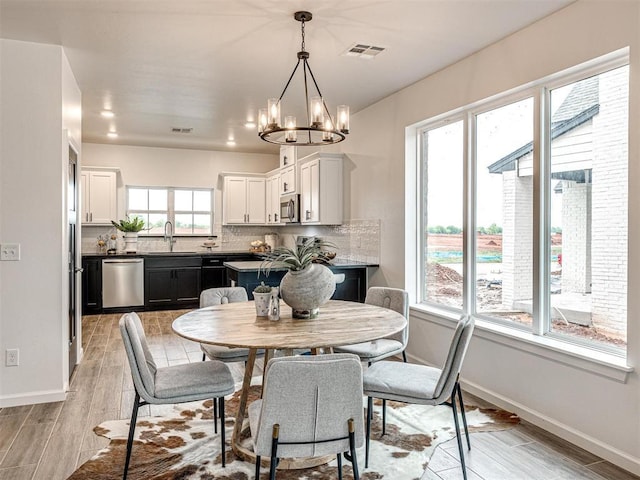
(99, 197)
(321, 189)
(288, 180)
(243, 200)
(287, 155)
(273, 199)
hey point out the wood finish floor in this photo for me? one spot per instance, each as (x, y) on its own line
(49, 441)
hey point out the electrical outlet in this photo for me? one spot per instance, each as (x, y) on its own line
(13, 357)
(10, 251)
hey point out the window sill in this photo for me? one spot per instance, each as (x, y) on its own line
(589, 360)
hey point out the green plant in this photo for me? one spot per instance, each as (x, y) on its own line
(262, 288)
(297, 258)
(134, 224)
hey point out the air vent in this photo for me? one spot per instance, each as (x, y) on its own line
(181, 130)
(366, 52)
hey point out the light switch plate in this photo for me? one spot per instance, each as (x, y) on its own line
(10, 251)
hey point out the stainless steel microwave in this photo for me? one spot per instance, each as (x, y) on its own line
(290, 208)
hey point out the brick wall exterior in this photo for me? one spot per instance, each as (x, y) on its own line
(517, 239)
(576, 235)
(609, 210)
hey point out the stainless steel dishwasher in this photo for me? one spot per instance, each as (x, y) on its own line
(122, 282)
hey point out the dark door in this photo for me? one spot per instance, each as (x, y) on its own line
(72, 202)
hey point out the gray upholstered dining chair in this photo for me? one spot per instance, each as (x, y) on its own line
(370, 352)
(420, 384)
(167, 385)
(311, 406)
(219, 296)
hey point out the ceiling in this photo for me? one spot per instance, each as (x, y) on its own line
(210, 64)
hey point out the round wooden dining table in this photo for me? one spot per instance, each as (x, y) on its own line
(236, 325)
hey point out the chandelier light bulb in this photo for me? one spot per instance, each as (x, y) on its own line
(317, 114)
(273, 108)
(262, 120)
(343, 118)
(326, 133)
(290, 125)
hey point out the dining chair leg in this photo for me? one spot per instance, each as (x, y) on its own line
(459, 440)
(222, 431)
(215, 415)
(339, 459)
(384, 416)
(367, 439)
(464, 415)
(404, 356)
(257, 475)
(132, 429)
(274, 452)
(204, 357)
(352, 450)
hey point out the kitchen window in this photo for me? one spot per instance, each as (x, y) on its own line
(190, 210)
(542, 245)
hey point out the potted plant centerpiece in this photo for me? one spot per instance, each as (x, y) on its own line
(130, 227)
(308, 283)
(262, 297)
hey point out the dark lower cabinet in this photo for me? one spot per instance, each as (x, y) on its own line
(172, 282)
(91, 286)
(354, 287)
(214, 273)
(176, 282)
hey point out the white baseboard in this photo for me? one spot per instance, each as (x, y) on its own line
(593, 445)
(31, 398)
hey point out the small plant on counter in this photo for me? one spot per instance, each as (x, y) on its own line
(134, 224)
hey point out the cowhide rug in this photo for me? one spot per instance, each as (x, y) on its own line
(183, 445)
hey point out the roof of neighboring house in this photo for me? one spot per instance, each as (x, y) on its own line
(580, 105)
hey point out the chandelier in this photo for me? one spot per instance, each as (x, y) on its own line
(319, 128)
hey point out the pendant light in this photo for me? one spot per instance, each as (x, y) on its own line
(319, 127)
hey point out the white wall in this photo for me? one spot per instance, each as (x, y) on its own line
(173, 167)
(33, 300)
(593, 410)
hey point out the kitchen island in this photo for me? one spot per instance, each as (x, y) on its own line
(249, 274)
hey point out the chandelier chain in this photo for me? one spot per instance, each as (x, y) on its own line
(302, 28)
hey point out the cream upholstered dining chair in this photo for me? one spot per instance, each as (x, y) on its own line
(167, 385)
(311, 406)
(420, 384)
(219, 296)
(370, 352)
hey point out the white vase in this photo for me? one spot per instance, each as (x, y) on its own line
(305, 290)
(262, 303)
(130, 242)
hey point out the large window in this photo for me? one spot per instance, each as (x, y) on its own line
(545, 230)
(442, 185)
(189, 210)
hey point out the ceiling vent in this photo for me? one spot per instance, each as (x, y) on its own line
(181, 130)
(366, 52)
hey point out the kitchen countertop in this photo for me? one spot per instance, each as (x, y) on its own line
(254, 266)
(202, 253)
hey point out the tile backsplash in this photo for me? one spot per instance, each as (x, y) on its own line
(355, 240)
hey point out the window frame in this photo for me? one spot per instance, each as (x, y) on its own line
(171, 211)
(540, 91)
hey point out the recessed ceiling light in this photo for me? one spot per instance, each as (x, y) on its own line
(231, 143)
(107, 114)
(112, 135)
(250, 124)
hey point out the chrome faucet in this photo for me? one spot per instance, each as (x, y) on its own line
(169, 236)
